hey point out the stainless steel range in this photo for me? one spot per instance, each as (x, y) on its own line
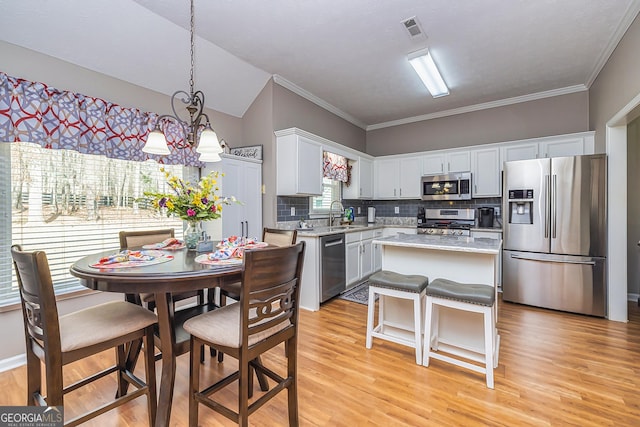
(446, 221)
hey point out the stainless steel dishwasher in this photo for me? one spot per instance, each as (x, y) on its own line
(332, 268)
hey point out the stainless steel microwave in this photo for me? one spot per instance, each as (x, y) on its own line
(455, 186)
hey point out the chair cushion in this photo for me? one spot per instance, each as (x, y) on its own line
(101, 323)
(466, 292)
(393, 280)
(222, 327)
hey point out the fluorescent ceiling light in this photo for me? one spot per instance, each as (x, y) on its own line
(423, 63)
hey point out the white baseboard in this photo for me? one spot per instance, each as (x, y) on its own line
(13, 362)
(633, 297)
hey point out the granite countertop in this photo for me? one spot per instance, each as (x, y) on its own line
(445, 243)
(326, 230)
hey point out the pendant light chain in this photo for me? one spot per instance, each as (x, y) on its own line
(198, 133)
(193, 20)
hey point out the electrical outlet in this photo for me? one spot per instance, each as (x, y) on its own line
(293, 211)
(397, 209)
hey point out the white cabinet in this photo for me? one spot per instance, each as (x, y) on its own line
(243, 180)
(298, 166)
(547, 147)
(361, 186)
(386, 178)
(563, 147)
(485, 172)
(446, 162)
(520, 152)
(359, 256)
(376, 251)
(397, 178)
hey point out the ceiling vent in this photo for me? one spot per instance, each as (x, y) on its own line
(412, 25)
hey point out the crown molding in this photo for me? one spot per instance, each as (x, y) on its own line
(320, 102)
(623, 26)
(478, 107)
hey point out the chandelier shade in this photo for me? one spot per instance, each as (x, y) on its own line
(209, 142)
(156, 143)
(209, 157)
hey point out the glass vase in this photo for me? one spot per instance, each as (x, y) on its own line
(192, 235)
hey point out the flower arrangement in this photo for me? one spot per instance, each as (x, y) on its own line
(191, 203)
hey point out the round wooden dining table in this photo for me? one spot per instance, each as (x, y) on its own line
(179, 274)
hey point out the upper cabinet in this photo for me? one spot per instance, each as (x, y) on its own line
(299, 166)
(446, 162)
(485, 172)
(397, 178)
(361, 186)
(554, 146)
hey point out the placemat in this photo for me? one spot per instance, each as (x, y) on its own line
(157, 257)
(170, 244)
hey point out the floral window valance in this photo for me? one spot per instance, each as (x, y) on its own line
(334, 166)
(56, 119)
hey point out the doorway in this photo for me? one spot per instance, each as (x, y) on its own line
(616, 147)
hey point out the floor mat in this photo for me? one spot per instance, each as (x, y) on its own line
(359, 294)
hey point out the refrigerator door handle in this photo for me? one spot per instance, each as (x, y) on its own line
(546, 207)
(514, 256)
(554, 207)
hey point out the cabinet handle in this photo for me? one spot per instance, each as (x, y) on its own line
(475, 188)
(441, 167)
(449, 165)
(394, 191)
(361, 191)
(401, 192)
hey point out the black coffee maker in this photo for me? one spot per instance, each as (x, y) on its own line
(486, 217)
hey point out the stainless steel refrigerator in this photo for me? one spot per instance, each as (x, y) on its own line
(554, 225)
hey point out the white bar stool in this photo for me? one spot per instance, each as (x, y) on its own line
(467, 297)
(393, 324)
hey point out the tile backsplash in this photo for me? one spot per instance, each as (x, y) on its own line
(384, 208)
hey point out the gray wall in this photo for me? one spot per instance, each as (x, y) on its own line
(291, 110)
(30, 65)
(617, 84)
(544, 117)
(258, 130)
(633, 207)
(615, 87)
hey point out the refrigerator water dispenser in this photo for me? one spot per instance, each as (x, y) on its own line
(521, 206)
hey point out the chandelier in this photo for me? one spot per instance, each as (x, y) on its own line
(207, 144)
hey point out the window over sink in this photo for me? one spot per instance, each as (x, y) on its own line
(331, 191)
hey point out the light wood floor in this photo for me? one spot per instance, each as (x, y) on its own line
(555, 369)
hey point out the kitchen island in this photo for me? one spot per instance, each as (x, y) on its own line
(462, 259)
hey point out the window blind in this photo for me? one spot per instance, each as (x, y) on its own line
(69, 204)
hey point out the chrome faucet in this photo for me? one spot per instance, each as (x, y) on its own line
(331, 217)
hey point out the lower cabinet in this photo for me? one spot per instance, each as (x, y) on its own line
(360, 255)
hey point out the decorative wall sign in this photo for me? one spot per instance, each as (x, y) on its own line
(252, 152)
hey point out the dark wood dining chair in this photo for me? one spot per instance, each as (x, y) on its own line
(59, 340)
(230, 287)
(274, 237)
(265, 316)
(135, 240)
